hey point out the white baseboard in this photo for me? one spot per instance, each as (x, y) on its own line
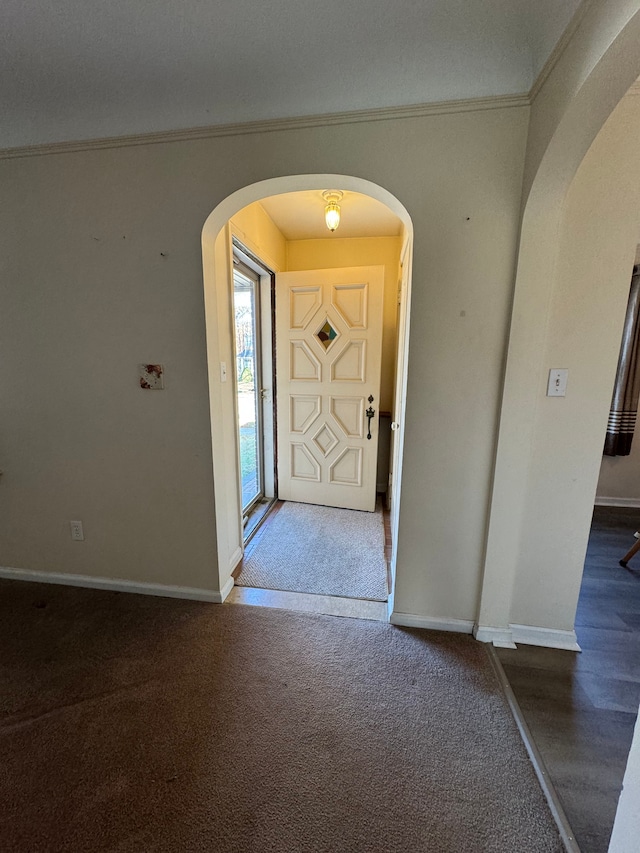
(409, 620)
(612, 501)
(502, 638)
(235, 559)
(550, 638)
(117, 585)
(226, 589)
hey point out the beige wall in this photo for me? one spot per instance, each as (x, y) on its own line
(87, 295)
(357, 252)
(256, 230)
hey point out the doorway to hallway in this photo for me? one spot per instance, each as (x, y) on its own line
(295, 240)
(332, 339)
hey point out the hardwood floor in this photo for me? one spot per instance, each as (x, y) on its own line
(581, 707)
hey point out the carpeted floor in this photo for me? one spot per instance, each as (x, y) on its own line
(132, 723)
(321, 550)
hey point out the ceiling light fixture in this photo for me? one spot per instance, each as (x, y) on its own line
(332, 210)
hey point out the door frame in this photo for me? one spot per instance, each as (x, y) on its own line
(217, 264)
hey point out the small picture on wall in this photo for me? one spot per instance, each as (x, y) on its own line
(151, 377)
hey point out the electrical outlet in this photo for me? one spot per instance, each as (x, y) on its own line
(77, 533)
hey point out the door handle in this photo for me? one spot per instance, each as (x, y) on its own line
(369, 414)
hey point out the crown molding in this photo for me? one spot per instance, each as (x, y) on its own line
(559, 49)
(496, 102)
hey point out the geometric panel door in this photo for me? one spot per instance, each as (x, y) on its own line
(328, 353)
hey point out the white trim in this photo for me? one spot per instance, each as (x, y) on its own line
(612, 501)
(236, 557)
(495, 102)
(116, 584)
(410, 620)
(502, 638)
(226, 589)
(550, 638)
(559, 49)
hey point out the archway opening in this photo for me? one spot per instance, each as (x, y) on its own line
(217, 245)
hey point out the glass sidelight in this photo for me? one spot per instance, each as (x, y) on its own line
(246, 311)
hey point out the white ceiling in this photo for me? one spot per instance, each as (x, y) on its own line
(300, 216)
(82, 69)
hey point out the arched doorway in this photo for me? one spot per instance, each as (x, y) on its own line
(220, 348)
(543, 491)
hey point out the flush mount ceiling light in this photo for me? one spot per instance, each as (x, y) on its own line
(332, 210)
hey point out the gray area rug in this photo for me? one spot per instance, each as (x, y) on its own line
(131, 723)
(321, 550)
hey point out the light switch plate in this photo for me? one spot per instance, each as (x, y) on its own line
(151, 377)
(557, 386)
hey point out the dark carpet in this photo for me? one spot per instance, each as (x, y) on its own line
(131, 723)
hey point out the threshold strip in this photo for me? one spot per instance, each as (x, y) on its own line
(548, 788)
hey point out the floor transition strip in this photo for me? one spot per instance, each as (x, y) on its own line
(559, 815)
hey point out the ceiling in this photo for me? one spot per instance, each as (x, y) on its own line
(83, 69)
(300, 216)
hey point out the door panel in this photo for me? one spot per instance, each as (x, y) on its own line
(328, 352)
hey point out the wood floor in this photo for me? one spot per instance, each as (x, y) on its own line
(581, 708)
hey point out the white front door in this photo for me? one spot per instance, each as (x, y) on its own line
(328, 353)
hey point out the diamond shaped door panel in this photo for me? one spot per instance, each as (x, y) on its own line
(350, 300)
(304, 364)
(349, 365)
(348, 412)
(325, 439)
(347, 469)
(303, 410)
(303, 304)
(303, 465)
(328, 364)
